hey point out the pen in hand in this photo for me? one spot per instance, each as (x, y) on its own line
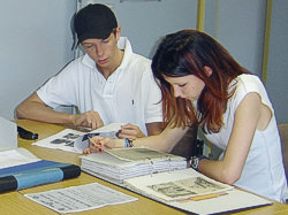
(128, 143)
(95, 144)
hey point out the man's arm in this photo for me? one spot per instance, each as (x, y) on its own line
(35, 109)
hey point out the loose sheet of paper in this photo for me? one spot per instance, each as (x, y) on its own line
(72, 140)
(64, 140)
(15, 157)
(109, 130)
(176, 185)
(80, 198)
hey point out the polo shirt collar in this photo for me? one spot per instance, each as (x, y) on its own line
(124, 43)
(89, 61)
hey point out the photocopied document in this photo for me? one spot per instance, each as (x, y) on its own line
(177, 185)
(109, 130)
(80, 198)
(76, 141)
(193, 192)
(63, 140)
(235, 200)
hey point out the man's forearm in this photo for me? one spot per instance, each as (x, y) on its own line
(40, 112)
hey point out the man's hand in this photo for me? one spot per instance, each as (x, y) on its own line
(90, 120)
(130, 132)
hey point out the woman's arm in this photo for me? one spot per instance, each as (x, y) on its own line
(165, 141)
(246, 122)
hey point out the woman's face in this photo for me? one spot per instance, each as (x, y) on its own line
(187, 87)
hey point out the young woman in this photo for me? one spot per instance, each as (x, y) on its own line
(202, 83)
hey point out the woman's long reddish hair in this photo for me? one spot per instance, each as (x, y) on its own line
(187, 52)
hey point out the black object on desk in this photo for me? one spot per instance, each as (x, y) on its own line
(25, 134)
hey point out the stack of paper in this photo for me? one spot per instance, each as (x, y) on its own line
(119, 164)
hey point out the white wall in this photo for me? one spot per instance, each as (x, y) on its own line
(145, 22)
(35, 38)
(239, 26)
(35, 42)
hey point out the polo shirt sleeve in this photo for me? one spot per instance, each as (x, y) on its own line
(153, 104)
(59, 89)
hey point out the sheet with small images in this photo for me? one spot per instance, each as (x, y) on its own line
(64, 140)
(177, 185)
(80, 198)
(76, 141)
(193, 192)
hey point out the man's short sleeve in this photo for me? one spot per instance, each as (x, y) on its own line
(59, 89)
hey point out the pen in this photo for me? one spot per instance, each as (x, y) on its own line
(208, 196)
(128, 143)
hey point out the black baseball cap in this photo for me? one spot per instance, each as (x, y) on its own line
(95, 21)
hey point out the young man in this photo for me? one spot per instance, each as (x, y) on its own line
(108, 84)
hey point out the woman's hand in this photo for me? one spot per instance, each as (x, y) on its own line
(98, 144)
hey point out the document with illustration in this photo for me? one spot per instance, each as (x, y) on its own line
(191, 191)
(176, 185)
(76, 141)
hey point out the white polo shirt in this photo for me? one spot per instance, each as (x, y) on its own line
(130, 94)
